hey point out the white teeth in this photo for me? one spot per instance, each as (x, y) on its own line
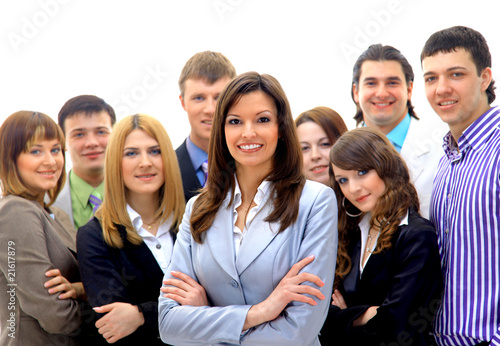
(250, 146)
(145, 176)
(383, 104)
(208, 122)
(46, 173)
(448, 103)
(317, 168)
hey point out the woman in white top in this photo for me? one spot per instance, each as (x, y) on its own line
(236, 272)
(388, 277)
(125, 249)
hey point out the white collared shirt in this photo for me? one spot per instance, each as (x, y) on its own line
(364, 226)
(161, 245)
(260, 197)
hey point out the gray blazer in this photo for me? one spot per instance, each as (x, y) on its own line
(234, 285)
(32, 242)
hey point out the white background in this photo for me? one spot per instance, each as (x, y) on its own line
(131, 52)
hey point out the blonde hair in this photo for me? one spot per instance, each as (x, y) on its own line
(17, 134)
(113, 211)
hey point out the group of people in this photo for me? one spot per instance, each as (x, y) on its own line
(261, 229)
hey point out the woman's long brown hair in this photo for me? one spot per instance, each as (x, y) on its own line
(365, 149)
(286, 176)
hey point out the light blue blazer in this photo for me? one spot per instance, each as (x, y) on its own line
(264, 258)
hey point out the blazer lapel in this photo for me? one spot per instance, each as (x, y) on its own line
(256, 239)
(219, 238)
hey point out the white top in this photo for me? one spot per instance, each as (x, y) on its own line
(260, 196)
(364, 226)
(161, 245)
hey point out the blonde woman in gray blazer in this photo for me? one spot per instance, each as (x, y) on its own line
(39, 277)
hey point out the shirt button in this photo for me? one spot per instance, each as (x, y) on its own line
(234, 283)
(438, 335)
(449, 195)
(447, 230)
(158, 246)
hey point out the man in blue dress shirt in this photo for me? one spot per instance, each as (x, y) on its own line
(201, 81)
(382, 86)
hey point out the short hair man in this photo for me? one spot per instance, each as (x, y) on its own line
(382, 86)
(465, 205)
(201, 81)
(86, 121)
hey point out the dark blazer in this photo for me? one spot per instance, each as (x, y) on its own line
(190, 181)
(130, 275)
(405, 281)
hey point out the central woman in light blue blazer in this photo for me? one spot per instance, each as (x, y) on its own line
(236, 275)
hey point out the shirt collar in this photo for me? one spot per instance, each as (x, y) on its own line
(364, 223)
(82, 189)
(480, 129)
(398, 134)
(137, 222)
(197, 155)
(262, 192)
(474, 135)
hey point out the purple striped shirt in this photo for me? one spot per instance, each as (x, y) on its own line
(465, 209)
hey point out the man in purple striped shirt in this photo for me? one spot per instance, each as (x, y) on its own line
(465, 204)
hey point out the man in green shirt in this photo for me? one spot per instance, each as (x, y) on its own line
(86, 121)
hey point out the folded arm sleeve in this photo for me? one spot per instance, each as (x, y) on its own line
(32, 259)
(298, 324)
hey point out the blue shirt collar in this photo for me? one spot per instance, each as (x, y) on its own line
(197, 155)
(398, 134)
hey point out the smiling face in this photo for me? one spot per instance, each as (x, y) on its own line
(454, 89)
(199, 101)
(361, 188)
(40, 167)
(382, 94)
(251, 130)
(315, 146)
(142, 165)
(86, 140)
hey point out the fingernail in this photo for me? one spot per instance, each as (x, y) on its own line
(46, 284)
(312, 256)
(50, 291)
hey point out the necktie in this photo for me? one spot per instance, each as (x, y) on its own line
(204, 167)
(95, 200)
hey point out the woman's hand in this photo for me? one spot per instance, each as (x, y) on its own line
(59, 283)
(365, 317)
(289, 289)
(122, 319)
(185, 291)
(338, 300)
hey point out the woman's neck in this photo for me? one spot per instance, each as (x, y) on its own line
(249, 183)
(144, 205)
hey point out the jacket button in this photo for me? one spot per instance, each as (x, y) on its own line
(234, 283)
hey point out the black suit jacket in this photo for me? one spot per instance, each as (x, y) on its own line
(130, 275)
(405, 281)
(190, 181)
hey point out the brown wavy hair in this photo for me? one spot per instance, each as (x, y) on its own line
(286, 175)
(365, 149)
(113, 211)
(18, 132)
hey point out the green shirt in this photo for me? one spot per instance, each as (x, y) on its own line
(80, 193)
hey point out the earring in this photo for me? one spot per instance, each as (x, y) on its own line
(349, 214)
